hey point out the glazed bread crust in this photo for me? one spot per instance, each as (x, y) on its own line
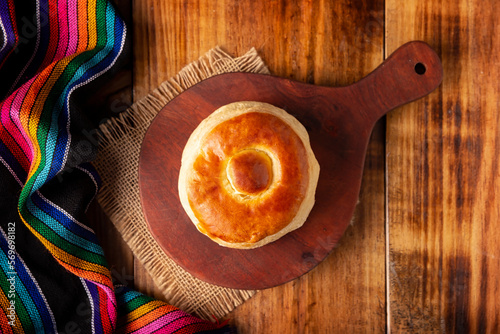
(248, 175)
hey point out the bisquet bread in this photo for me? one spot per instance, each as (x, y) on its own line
(248, 175)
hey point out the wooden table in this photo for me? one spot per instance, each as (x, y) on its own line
(423, 253)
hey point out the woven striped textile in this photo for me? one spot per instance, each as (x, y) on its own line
(53, 274)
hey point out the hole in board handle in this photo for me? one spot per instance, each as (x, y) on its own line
(420, 68)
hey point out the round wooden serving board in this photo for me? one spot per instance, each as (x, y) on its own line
(339, 122)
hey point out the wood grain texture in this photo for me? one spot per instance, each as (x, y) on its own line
(440, 156)
(319, 42)
(443, 174)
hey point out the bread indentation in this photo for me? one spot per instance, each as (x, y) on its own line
(249, 171)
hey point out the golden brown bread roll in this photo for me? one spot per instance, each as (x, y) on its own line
(248, 175)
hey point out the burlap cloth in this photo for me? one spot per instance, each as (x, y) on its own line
(117, 163)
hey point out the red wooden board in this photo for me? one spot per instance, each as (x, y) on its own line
(339, 122)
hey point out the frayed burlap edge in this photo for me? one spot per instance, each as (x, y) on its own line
(117, 163)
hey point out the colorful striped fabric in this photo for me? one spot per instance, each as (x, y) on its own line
(53, 273)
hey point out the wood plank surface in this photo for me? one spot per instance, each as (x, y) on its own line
(443, 174)
(326, 43)
(431, 180)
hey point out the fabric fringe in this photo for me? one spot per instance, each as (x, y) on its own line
(120, 141)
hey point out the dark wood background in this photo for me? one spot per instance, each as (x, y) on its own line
(423, 252)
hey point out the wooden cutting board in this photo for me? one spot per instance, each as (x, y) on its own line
(339, 122)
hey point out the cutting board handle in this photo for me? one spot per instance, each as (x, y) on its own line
(411, 72)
